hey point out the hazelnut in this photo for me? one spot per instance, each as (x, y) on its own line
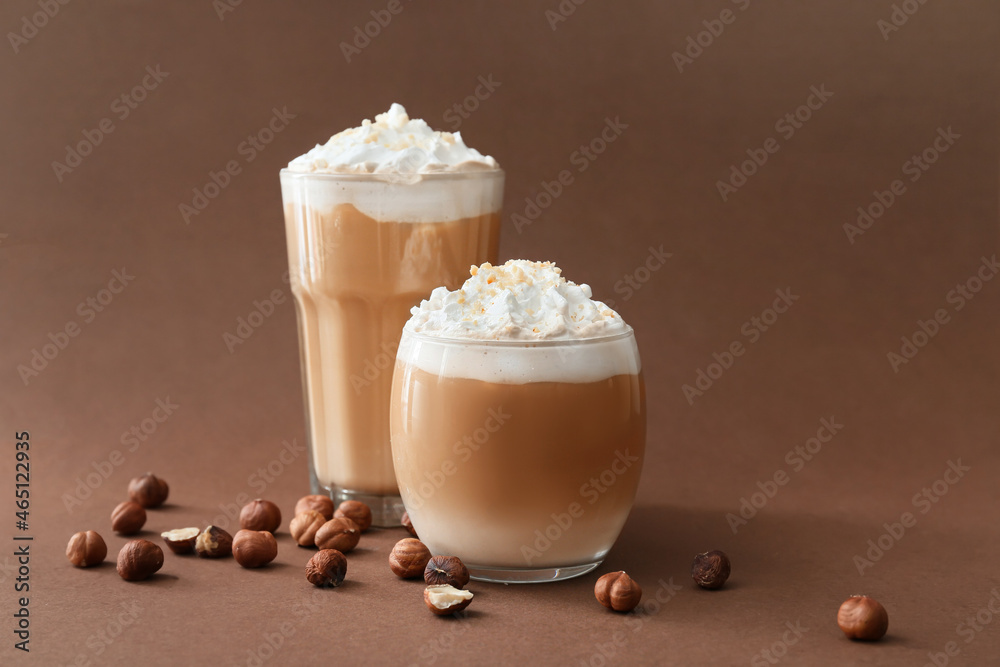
(260, 515)
(254, 548)
(86, 549)
(711, 569)
(181, 540)
(148, 490)
(326, 568)
(861, 617)
(128, 518)
(445, 600)
(339, 533)
(449, 570)
(408, 525)
(139, 559)
(304, 526)
(356, 511)
(617, 590)
(213, 542)
(408, 558)
(316, 503)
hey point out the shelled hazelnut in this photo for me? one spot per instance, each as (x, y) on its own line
(316, 503)
(449, 570)
(260, 515)
(254, 548)
(304, 527)
(326, 568)
(148, 490)
(86, 549)
(618, 591)
(138, 560)
(128, 518)
(356, 511)
(339, 533)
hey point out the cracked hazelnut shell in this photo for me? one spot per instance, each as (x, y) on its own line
(180, 540)
(445, 600)
(213, 542)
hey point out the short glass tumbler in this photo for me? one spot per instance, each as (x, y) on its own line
(521, 458)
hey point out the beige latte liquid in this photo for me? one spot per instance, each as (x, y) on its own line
(355, 279)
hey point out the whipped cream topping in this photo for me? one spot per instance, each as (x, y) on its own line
(519, 300)
(393, 144)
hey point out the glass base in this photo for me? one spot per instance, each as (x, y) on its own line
(387, 511)
(500, 575)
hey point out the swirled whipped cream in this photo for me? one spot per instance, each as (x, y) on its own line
(393, 144)
(519, 300)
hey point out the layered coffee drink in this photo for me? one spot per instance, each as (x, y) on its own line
(375, 220)
(518, 423)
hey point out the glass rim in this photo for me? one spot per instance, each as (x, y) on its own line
(391, 177)
(545, 343)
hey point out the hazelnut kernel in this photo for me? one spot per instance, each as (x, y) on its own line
(128, 518)
(260, 515)
(304, 527)
(86, 549)
(618, 591)
(409, 558)
(317, 503)
(445, 600)
(711, 569)
(861, 617)
(254, 548)
(138, 560)
(339, 533)
(213, 542)
(449, 570)
(326, 568)
(356, 511)
(148, 490)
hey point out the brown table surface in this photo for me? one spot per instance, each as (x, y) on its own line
(554, 83)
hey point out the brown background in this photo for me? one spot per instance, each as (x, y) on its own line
(162, 336)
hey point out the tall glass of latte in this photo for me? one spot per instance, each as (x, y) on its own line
(375, 219)
(518, 423)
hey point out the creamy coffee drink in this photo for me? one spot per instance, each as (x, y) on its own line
(518, 423)
(375, 220)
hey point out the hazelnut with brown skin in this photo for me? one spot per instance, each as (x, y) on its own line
(409, 558)
(260, 515)
(449, 570)
(304, 527)
(86, 549)
(711, 569)
(316, 503)
(326, 568)
(128, 518)
(445, 600)
(408, 525)
(138, 560)
(618, 591)
(339, 533)
(861, 617)
(148, 490)
(181, 540)
(213, 542)
(356, 511)
(254, 548)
